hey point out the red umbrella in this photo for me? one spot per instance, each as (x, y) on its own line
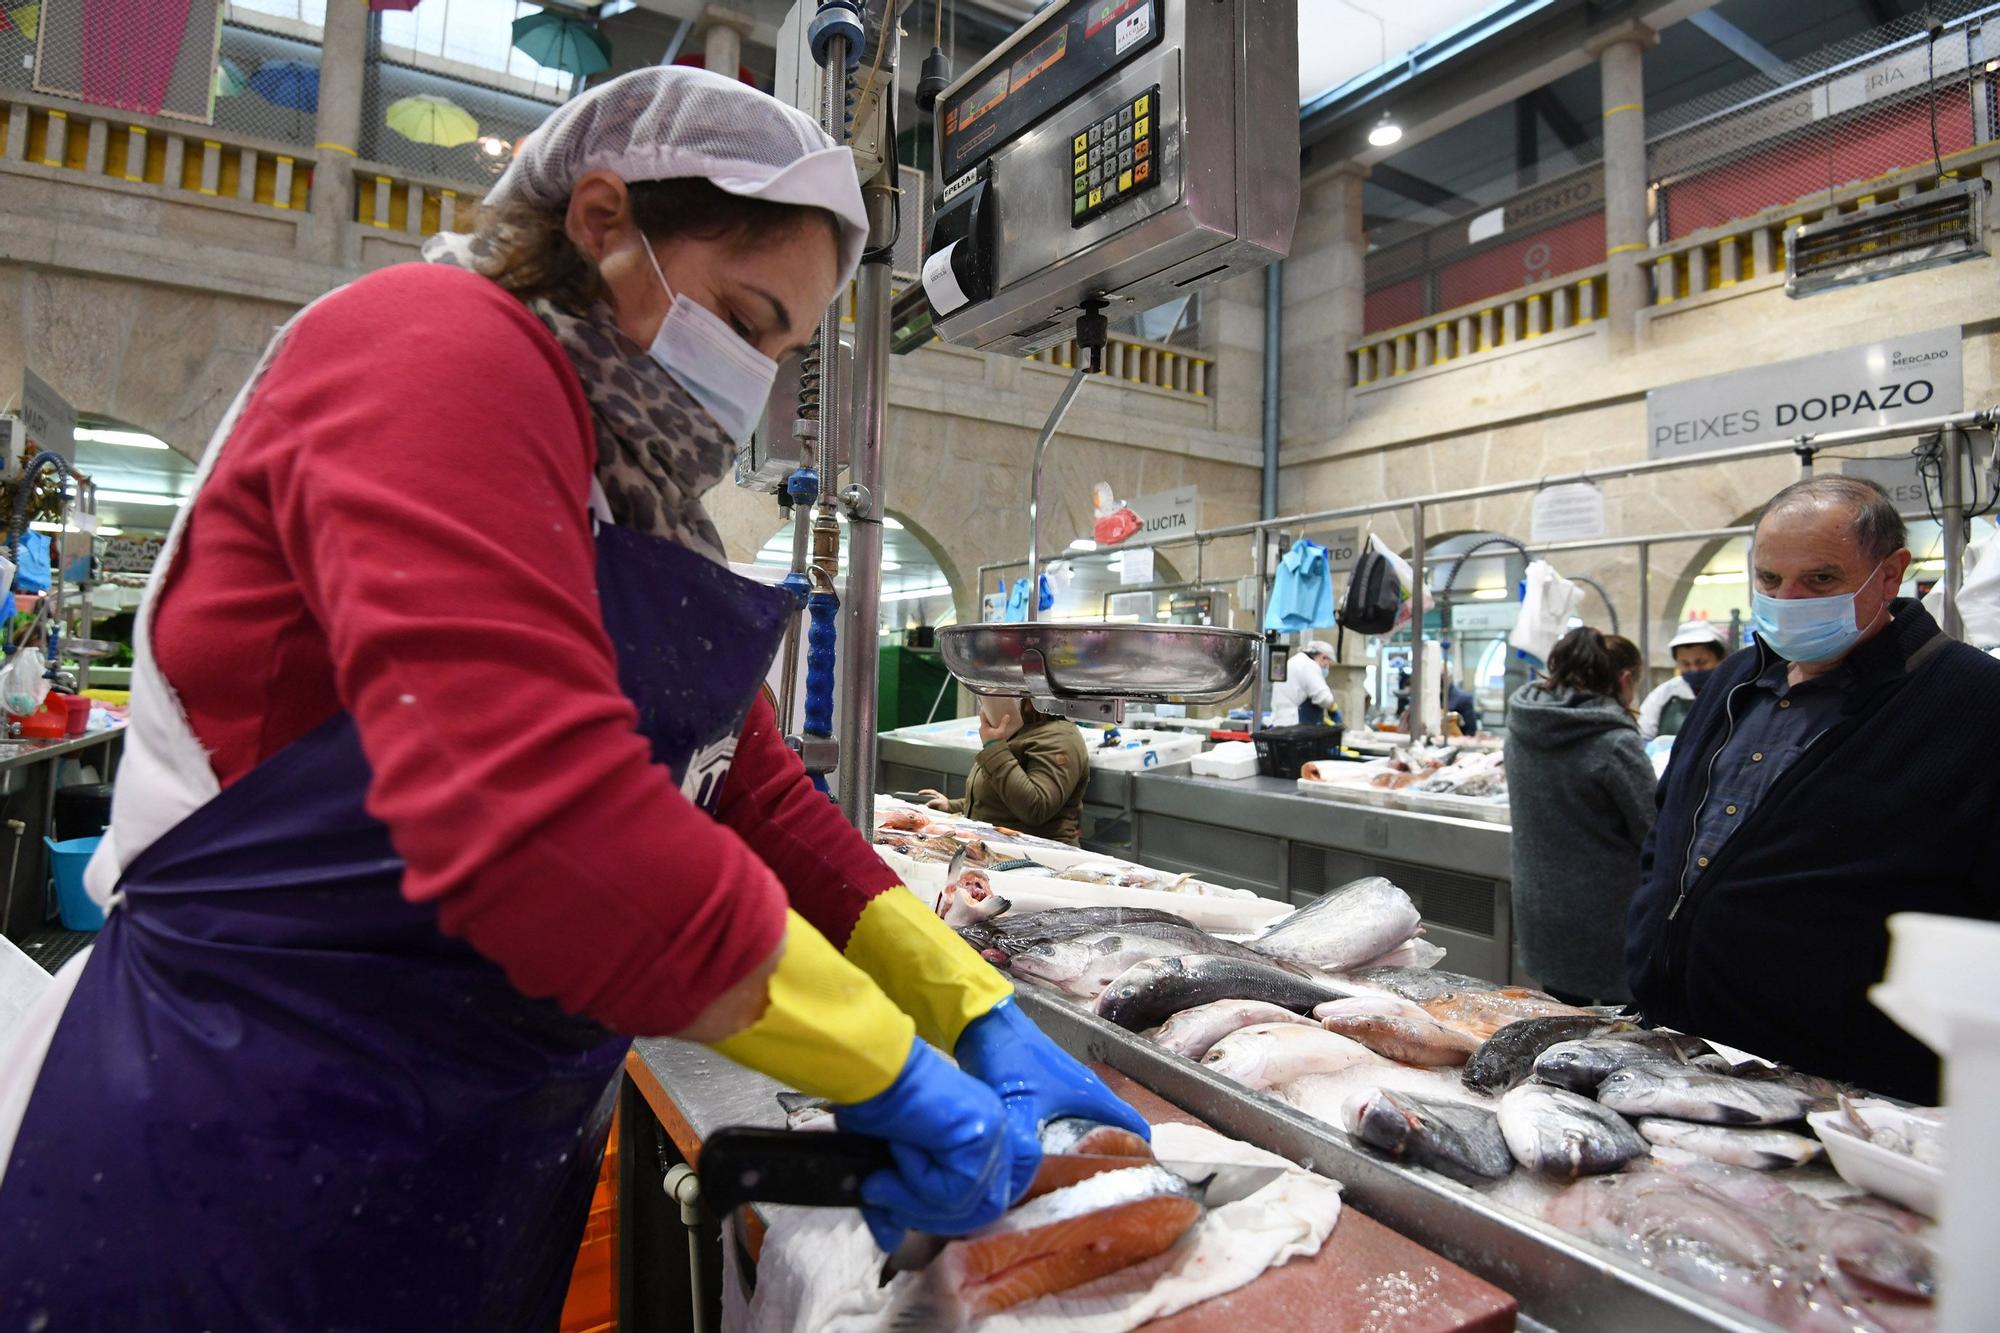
(379, 5)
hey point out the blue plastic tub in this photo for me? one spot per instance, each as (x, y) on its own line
(73, 903)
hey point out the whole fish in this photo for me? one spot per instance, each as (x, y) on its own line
(1759, 1149)
(1484, 1012)
(1507, 1058)
(1191, 1032)
(1085, 965)
(1683, 1092)
(1147, 993)
(1461, 1141)
(1061, 1240)
(1558, 1133)
(1017, 931)
(1268, 1054)
(1419, 984)
(1397, 1029)
(1581, 1065)
(1343, 928)
(805, 1112)
(1824, 1093)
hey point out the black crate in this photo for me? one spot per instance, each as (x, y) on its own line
(1283, 751)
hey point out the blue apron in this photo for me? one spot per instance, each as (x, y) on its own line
(282, 1098)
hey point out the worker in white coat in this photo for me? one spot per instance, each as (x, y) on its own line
(1303, 697)
(1698, 649)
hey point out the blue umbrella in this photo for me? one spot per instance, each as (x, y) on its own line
(287, 83)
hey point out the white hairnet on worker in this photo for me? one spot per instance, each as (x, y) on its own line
(669, 121)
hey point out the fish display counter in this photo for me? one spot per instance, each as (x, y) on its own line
(1264, 835)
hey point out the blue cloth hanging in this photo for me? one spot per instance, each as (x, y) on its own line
(1302, 592)
(1017, 599)
(32, 574)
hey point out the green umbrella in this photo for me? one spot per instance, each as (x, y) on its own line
(557, 41)
(432, 120)
(229, 78)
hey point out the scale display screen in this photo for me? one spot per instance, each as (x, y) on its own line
(1090, 39)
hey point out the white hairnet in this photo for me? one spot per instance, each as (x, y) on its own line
(673, 121)
(1694, 632)
(1319, 646)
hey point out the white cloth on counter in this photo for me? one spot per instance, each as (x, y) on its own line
(819, 1267)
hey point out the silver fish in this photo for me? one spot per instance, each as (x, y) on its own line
(1686, 1093)
(1757, 1148)
(968, 896)
(1147, 993)
(1084, 965)
(1461, 1141)
(1344, 928)
(1581, 1065)
(1398, 1029)
(1558, 1133)
(1508, 1056)
(1191, 1032)
(1268, 1054)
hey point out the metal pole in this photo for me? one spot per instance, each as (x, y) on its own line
(1952, 523)
(856, 717)
(1417, 682)
(801, 543)
(1645, 616)
(1274, 301)
(1260, 698)
(1056, 414)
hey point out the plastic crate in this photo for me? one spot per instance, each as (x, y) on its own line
(1283, 751)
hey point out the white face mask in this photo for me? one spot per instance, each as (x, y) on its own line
(727, 376)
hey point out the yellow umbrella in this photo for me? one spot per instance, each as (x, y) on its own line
(432, 120)
(27, 18)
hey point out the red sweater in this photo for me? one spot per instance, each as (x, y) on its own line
(399, 528)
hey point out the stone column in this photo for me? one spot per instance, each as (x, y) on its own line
(722, 34)
(1622, 81)
(342, 70)
(1324, 291)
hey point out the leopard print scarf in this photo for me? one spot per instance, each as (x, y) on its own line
(658, 451)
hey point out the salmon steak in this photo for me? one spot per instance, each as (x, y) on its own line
(1061, 1240)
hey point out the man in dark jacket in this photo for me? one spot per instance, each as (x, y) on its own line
(1838, 771)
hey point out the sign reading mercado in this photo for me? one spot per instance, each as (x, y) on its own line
(1880, 384)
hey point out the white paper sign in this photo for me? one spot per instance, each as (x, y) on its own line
(941, 284)
(1166, 515)
(1133, 28)
(1137, 566)
(1567, 513)
(1878, 384)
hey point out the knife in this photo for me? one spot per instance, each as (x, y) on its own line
(824, 1170)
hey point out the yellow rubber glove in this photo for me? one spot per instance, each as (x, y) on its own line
(828, 1030)
(932, 975)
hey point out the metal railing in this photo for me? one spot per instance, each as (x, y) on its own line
(121, 146)
(1570, 301)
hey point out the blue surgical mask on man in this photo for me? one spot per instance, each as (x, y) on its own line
(727, 376)
(1810, 629)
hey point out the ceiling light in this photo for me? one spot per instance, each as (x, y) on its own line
(131, 439)
(1716, 576)
(893, 524)
(891, 565)
(1385, 131)
(929, 590)
(138, 498)
(1993, 66)
(1489, 594)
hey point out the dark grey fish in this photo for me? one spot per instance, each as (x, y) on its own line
(1682, 1092)
(1581, 1065)
(1023, 930)
(1463, 1142)
(1148, 993)
(1507, 1058)
(1824, 1093)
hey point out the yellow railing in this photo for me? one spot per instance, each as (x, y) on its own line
(1754, 247)
(37, 131)
(1137, 361)
(391, 199)
(1508, 320)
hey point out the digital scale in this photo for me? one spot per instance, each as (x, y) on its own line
(1123, 151)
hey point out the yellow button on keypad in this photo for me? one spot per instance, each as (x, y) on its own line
(1082, 165)
(1096, 198)
(1141, 128)
(1143, 105)
(1124, 180)
(1082, 142)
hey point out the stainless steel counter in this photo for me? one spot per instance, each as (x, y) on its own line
(1260, 834)
(15, 753)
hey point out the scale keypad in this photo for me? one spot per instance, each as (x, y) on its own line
(1114, 159)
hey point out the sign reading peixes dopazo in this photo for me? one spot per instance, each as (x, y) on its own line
(1880, 384)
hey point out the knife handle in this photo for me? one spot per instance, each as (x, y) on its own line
(814, 1169)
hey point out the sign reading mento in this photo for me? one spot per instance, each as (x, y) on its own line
(1880, 384)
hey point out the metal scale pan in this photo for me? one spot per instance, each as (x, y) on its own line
(1094, 660)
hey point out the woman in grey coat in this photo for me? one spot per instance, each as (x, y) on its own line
(1581, 792)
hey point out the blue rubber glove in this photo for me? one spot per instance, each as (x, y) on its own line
(1038, 1081)
(948, 1134)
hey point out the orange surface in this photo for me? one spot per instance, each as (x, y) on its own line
(592, 1303)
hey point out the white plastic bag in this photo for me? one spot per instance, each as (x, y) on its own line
(1546, 606)
(22, 686)
(1978, 594)
(1405, 577)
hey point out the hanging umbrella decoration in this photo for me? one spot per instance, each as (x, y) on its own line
(288, 83)
(27, 20)
(379, 5)
(436, 121)
(559, 42)
(229, 78)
